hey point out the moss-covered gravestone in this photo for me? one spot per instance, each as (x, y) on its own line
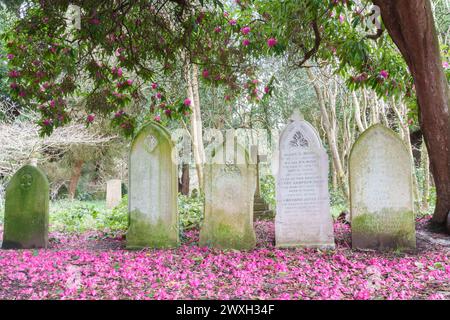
(229, 189)
(153, 213)
(381, 192)
(26, 210)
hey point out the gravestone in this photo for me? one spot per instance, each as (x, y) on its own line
(303, 217)
(229, 190)
(153, 212)
(113, 193)
(26, 210)
(381, 191)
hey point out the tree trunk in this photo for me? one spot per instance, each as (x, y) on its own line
(183, 184)
(196, 121)
(425, 163)
(410, 23)
(75, 177)
(331, 135)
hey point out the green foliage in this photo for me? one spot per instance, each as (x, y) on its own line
(79, 216)
(267, 186)
(191, 211)
(338, 202)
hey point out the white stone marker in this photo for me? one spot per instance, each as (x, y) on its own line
(113, 193)
(381, 193)
(303, 217)
(152, 204)
(229, 190)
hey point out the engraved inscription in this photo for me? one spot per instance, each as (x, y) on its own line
(298, 140)
(150, 143)
(26, 180)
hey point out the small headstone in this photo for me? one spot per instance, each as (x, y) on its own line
(113, 193)
(381, 192)
(153, 187)
(26, 210)
(303, 217)
(229, 190)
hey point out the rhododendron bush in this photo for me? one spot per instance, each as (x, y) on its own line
(95, 266)
(117, 50)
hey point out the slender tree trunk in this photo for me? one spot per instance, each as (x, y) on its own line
(196, 121)
(358, 113)
(425, 163)
(411, 26)
(331, 135)
(75, 177)
(183, 184)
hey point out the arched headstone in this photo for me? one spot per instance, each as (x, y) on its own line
(229, 190)
(26, 210)
(303, 217)
(152, 202)
(381, 193)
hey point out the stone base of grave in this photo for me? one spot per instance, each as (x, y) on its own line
(144, 235)
(225, 236)
(398, 232)
(321, 246)
(261, 210)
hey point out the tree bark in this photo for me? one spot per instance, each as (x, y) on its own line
(75, 177)
(196, 121)
(183, 184)
(410, 24)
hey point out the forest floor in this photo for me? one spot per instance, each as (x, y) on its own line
(95, 265)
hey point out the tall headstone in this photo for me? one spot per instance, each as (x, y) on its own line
(26, 210)
(303, 217)
(381, 192)
(153, 212)
(113, 193)
(229, 190)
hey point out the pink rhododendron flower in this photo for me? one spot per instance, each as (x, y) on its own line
(90, 118)
(187, 102)
(341, 18)
(245, 42)
(245, 30)
(10, 56)
(157, 118)
(217, 29)
(266, 89)
(158, 95)
(271, 42)
(205, 73)
(154, 85)
(14, 74)
(232, 22)
(384, 74)
(445, 64)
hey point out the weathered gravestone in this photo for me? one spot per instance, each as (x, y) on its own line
(381, 193)
(113, 193)
(229, 189)
(26, 210)
(153, 213)
(303, 217)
